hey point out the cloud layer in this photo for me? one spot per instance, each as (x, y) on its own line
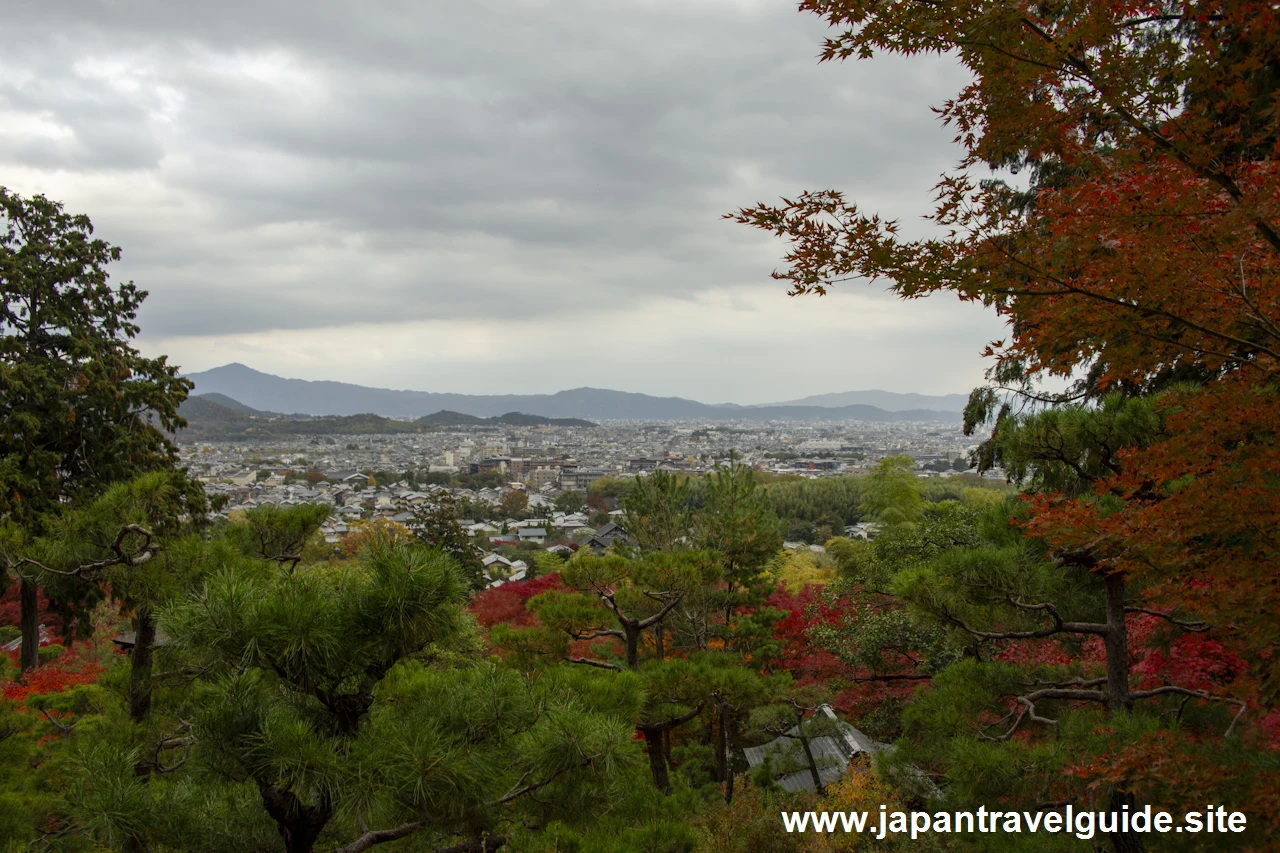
(490, 196)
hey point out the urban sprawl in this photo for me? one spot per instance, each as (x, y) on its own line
(369, 477)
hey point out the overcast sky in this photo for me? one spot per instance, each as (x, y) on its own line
(485, 196)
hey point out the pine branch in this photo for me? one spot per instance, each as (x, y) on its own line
(600, 664)
(382, 836)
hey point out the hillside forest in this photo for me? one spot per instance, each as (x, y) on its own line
(1100, 633)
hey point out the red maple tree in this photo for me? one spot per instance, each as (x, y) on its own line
(1140, 258)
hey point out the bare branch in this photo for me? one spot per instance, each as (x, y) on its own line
(64, 729)
(89, 571)
(596, 663)
(675, 721)
(161, 767)
(1169, 689)
(1212, 172)
(595, 632)
(900, 677)
(1066, 693)
(516, 793)
(381, 836)
(487, 844)
(1058, 627)
(1197, 626)
(661, 614)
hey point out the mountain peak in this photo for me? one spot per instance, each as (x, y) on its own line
(267, 392)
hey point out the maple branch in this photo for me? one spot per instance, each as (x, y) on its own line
(1258, 316)
(1151, 19)
(1003, 51)
(1199, 350)
(1067, 289)
(1217, 176)
(1196, 694)
(1052, 399)
(1196, 627)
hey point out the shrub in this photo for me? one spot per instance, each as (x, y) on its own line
(50, 653)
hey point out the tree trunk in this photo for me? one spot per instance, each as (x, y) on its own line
(632, 634)
(29, 602)
(1117, 646)
(1124, 842)
(299, 825)
(140, 665)
(724, 755)
(1118, 699)
(718, 733)
(135, 844)
(658, 638)
(657, 759)
(813, 766)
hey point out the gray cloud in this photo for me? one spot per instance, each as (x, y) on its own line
(275, 166)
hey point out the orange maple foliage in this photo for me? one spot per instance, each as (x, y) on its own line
(60, 675)
(1143, 257)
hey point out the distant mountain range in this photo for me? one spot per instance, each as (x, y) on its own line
(888, 400)
(217, 416)
(445, 418)
(228, 403)
(253, 389)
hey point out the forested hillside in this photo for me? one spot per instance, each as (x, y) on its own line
(207, 419)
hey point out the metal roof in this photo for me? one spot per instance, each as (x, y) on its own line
(831, 753)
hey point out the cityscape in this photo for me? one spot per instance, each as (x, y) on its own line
(390, 476)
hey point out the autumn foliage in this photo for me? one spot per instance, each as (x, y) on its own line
(361, 534)
(505, 603)
(67, 671)
(1119, 204)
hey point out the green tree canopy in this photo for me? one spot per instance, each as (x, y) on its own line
(79, 406)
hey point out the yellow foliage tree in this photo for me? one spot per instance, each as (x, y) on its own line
(361, 534)
(797, 569)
